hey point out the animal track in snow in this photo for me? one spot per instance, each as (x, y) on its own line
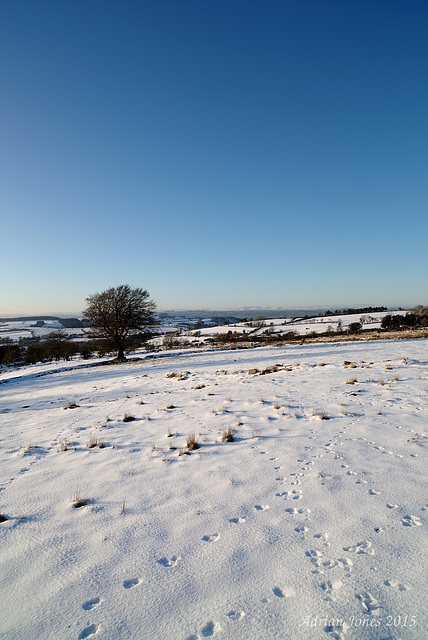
(372, 492)
(132, 582)
(363, 547)
(237, 520)
(301, 529)
(294, 494)
(411, 521)
(212, 538)
(323, 537)
(329, 587)
(235, 615)
(286, 592)
(369, 604)
(91, 604)
(297, 512)
(172, 562)
(87, 632)
(261, 507)
(210, 629)
(337, 630)
(396, 585)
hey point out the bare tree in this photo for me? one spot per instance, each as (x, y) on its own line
(118, 313)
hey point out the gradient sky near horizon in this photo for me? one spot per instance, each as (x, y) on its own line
(218, 154)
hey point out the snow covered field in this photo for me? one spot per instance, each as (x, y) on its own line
(312, 524)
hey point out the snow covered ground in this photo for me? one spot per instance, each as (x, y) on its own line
(311, 525)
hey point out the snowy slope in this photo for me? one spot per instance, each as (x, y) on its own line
(303, 527)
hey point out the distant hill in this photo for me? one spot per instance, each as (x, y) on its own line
(67, 323)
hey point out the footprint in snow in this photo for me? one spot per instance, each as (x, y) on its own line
(87, 632)
(297, 512)
(286, 592)
(132, 582)
(91, 604)
(370, 605)
(261, 507)
(411, 521)
(364, 547)
(235, 615)
(211, 538)
(396, 585)
(210, 629)
(237, 520)
(172, 562)
(301, 529)
(372, 492)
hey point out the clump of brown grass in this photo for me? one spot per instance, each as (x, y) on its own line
(30, 447)
(227, 435)
(92, 442)
(78, 501)
(128, 417)
(63, 445)
(191, 442)
(351, 381)
(71, 405)
(320, 413)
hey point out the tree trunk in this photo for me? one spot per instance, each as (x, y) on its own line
(120, 353)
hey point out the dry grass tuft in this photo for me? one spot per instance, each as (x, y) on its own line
(78, 501)
(320, 413)
(63, 445)
(191, 442)
(128, 417)
(351, 381)
(92, 442)
(30, 447)
(227, 435)
(71, 405)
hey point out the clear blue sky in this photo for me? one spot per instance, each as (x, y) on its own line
(218, 154)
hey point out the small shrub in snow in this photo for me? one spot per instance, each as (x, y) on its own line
(351, 381)
(128, 418)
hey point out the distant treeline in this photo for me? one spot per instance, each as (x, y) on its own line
(349, 312)
(58, 346)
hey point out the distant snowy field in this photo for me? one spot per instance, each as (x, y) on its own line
(303, 528)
